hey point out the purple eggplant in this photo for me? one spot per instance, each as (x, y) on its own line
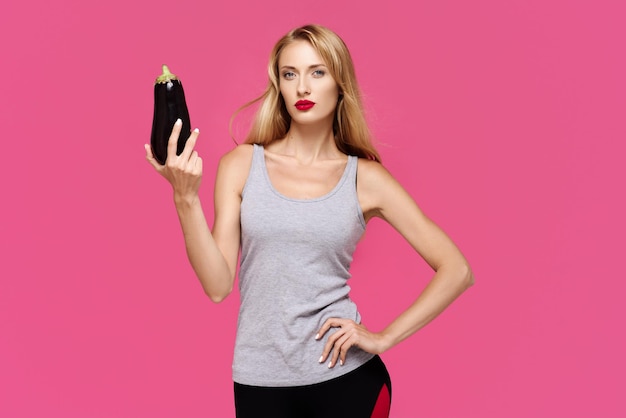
(169, 105)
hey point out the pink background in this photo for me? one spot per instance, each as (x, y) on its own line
(504, 119)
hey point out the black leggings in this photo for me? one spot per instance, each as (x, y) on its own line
(362, 393)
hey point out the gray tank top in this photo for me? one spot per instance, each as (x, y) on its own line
(295, 260)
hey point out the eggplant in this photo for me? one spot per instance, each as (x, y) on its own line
(169, 105)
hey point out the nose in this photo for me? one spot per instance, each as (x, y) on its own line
(303, 87)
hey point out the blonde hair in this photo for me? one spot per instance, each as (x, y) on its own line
(271, 122)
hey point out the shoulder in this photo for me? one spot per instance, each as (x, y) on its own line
(372, 181)
(372, 175)
(234, 166)
(377, 189)
(242, 153)
(236, 160)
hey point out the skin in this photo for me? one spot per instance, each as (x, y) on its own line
(307, 164)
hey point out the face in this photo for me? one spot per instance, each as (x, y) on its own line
(309, 91)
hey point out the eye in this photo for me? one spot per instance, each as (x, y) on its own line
(319, 73)
(289, 75)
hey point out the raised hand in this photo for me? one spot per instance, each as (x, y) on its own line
(184, 171)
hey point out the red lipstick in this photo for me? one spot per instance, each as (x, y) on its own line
(304, 104)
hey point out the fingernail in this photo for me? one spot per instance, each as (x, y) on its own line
(341, 362)
(321, 359)
(196, 130)
(317, 336)
(179, 122)
(330, 364)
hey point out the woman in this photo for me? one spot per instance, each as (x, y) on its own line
(290, 200)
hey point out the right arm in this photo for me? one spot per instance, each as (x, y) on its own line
(212, 254)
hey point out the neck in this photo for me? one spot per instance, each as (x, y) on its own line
(308, 144)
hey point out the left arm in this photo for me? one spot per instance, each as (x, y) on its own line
(382, 196)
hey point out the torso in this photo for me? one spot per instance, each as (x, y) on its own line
(296, 251)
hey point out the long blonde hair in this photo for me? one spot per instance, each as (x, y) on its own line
(272, 120)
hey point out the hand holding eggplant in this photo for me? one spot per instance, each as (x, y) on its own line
(184, 171)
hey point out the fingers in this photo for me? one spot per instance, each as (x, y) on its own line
(195, 164)
(199, 165)
(188, 159)
(331, 322)
(340, 349)
(150, 157)
(339, 342)
(172, 142)
(190, 145)
(182, 171)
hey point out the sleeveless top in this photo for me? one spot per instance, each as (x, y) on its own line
(295, 260)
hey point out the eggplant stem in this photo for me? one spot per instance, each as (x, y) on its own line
(166, 76)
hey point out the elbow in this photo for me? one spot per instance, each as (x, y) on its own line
(216, 288)
(461, 275)
(467, 276)
(217, 297)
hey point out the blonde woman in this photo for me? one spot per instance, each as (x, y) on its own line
(290, 201)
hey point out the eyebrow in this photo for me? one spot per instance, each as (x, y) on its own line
(290, 67)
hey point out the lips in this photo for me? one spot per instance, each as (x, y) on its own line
(304, 104)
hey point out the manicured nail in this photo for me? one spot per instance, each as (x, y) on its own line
(330, 364)
(341, 362)
(317, 336)
(321, 359)
(179, 122)
(196, 130)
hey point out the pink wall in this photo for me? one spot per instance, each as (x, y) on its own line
(504, 119)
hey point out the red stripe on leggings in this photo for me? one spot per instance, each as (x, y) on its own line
(383, 403)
